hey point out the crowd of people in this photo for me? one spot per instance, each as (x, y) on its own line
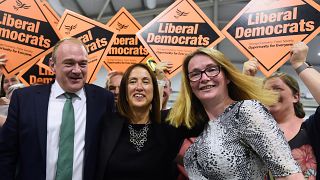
(233, 125)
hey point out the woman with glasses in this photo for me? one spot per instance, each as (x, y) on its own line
(241, 139)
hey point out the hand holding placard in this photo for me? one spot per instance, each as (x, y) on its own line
(298, 54)
(250, 67)
(3, 59)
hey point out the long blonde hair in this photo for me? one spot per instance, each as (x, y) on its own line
(188, 110)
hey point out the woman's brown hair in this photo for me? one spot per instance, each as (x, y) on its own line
(123, 104)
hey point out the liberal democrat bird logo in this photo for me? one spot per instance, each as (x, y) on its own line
(70, 28)
(121, 26)
(180, 13)
(21, 5)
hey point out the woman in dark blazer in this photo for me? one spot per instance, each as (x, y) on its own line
(136, 142)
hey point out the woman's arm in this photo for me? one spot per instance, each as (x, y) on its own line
(309, 76)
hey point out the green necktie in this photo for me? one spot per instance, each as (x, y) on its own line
(65, 155)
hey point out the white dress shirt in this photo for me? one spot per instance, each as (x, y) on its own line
(55, 107)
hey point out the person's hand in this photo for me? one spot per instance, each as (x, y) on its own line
(4, 101)
(250, 67)
(298, 54)
(3, 59)
(163, 67)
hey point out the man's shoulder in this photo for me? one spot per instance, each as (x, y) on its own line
(33, 89)
(91, 88)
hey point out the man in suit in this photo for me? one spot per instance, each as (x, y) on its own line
(29, 141)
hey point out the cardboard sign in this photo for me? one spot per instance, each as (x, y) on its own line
(35, 75)
(267, 30)
(44, 62)
(55, 20)
(27, 32)
(177, 31)
(96, 36)
(127, 48)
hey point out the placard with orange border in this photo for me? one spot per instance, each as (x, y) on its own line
(267, 30)
(36, 75)
(97, 37)
(28, 32)
(127, 48)
(177, 31)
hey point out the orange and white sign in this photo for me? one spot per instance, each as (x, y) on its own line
(97, 37)
(35, 75)
(127, 48)
(177, 31)
(28, 32)
(267, 29)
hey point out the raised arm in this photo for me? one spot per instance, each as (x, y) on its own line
(3, 59)
(250, 67)
(161, 68)
(309, 75)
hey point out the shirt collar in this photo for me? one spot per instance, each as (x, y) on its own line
(57, 91)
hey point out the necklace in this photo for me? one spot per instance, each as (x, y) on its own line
(138, 137)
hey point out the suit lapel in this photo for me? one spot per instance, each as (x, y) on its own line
(90, 119)
(41, 104)
(111, 131)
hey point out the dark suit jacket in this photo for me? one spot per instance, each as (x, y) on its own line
(111, 130)
(167, 136)
(23, 139)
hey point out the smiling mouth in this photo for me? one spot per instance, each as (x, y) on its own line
(138, 95)
(207, 87)
(75, 78)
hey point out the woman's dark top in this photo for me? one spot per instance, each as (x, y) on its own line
(154, 161)
(305, 147)
(312, 128)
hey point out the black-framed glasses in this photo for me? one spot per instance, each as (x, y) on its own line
(211, 71)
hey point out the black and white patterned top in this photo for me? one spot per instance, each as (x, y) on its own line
(242, 143)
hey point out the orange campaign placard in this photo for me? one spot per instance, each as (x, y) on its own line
(44, 62)
(35, 75)
(177, 31)
(54, 18)
(267, 30)
(28, 32)
(127, 48)
(97, 37)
